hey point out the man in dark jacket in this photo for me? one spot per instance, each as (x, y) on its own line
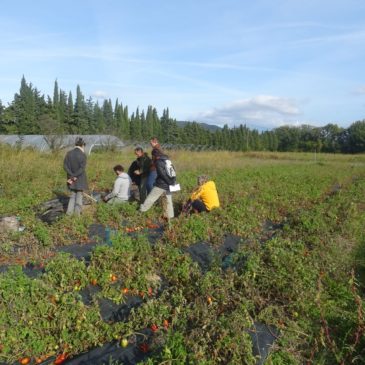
(161, 186)
(74, 164)
(144, 165)
(136, 180)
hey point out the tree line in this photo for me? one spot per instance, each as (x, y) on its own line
(33, 113)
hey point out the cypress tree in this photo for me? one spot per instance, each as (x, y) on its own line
(126, 126)
(99, 119)
(71, 128)
(79, 115)
(25, 109)
(56, 98)
(136, 126)
(108, 115)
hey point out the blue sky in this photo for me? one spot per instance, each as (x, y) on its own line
(264, 63)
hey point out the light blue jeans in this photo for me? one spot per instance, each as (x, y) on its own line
(75, 203)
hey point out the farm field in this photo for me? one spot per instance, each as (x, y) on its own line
(285, 252)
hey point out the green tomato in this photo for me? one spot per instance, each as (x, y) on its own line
(124, 342)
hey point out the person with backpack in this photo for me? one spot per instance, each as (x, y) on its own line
(166, 176)
(205, 197)
(74, 164)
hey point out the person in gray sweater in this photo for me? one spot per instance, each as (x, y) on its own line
(122, 187)
(75, 165)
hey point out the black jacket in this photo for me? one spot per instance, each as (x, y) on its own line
(163, 180)
(133, 167)
(144, 164)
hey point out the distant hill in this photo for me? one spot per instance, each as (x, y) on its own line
(209, 127)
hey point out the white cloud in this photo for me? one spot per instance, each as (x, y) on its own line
(262, 111)
(99, 94)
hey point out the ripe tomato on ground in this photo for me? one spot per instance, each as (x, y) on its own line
(60, 359)
(25, 360)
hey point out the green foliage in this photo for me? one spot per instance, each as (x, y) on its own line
(30, 113)
(66, 272)
(299, 266)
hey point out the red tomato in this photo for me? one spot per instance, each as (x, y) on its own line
(113, 278)
(60, 359)
(154, 328)
(144, 347)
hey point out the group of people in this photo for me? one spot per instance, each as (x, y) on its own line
(148, 175)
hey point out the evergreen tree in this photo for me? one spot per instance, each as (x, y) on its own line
(79, 113)
(56, 95)
(126, 126)
(144, 131)
(156, 124)
(135, 129)
(98, 117)
(70, 123)
(109, 117)
(169, 129)
(118, 118)
(91, 122)
(24, 106)
(149, 132)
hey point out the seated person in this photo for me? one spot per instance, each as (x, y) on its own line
(205, 197)
(122, 186)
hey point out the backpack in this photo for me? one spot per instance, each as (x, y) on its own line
(170, 169)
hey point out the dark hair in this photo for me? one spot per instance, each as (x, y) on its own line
(118, 168)
(80, 142)
(156, 152)
(139, 149)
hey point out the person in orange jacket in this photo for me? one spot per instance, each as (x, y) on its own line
(205, 197)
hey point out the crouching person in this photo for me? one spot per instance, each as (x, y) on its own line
(122, 187)
(205, 197)
(161, 186)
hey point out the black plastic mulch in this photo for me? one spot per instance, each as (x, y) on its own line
(130, 355)
(33, 271)
(263, 337)
(204, 254)
(269, 230)
(97, 235)
(112, 312)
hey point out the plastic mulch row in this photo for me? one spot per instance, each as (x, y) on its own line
(203, 253)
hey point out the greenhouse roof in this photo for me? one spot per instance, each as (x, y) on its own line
(46, 143)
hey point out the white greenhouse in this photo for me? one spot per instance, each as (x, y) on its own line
(46, 143)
